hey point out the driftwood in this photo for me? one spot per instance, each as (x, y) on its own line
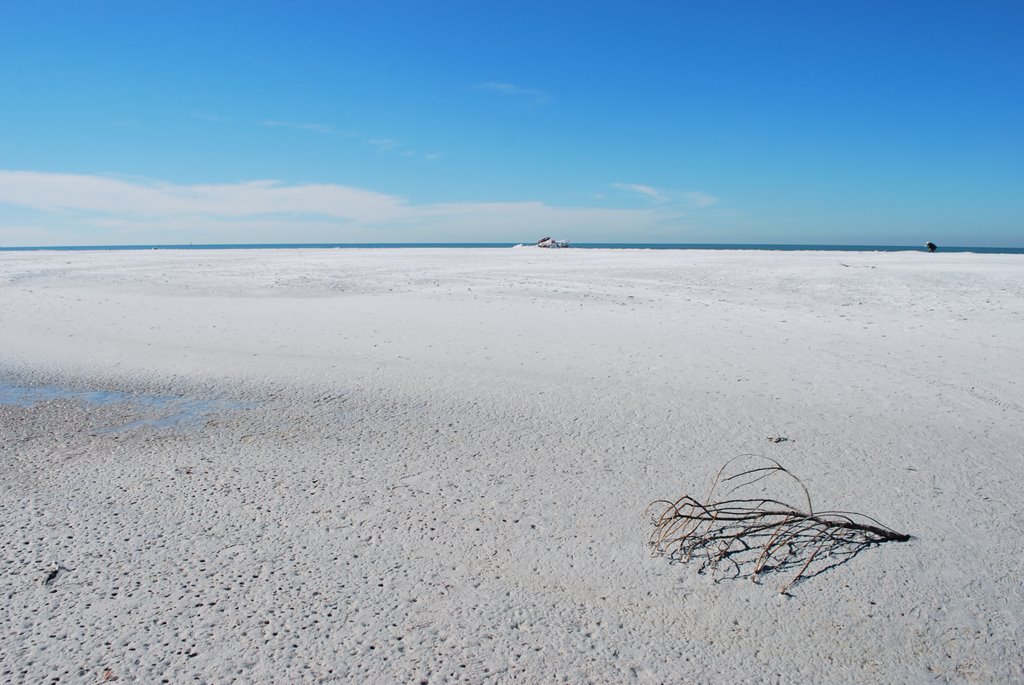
(752, 535)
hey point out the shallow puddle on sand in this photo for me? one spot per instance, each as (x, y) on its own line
(158, 411)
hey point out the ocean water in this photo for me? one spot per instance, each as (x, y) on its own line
(606, 246)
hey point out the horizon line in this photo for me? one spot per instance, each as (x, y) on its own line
(506, 244)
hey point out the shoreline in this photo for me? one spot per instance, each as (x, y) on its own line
(728, 247)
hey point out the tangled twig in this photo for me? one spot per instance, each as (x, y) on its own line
(755, 535)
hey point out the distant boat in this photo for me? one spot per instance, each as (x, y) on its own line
(548, 241)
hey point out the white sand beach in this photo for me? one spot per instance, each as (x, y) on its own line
(433, 465)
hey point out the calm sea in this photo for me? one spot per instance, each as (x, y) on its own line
(613, 246)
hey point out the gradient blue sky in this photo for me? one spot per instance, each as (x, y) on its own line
(752, 122)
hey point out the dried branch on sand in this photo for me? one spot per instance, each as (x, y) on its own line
(752, 535)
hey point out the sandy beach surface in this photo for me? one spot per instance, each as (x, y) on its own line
(433, 466)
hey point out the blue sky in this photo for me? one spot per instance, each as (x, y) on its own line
(747, 122)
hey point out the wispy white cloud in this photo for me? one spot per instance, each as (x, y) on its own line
(113, 195)
(699, 200)
(383, 143)
(16, 234)
(692, 199)
(396, 147)
(532, 94)
(645, 190)
(322, 129)
(95, 208)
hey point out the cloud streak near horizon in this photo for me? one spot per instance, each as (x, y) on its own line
(113, 195)
(136, 205)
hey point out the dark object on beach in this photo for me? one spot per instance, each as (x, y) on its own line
(55, 569)
(779, 438)
(548, 241)
(931, 246)
(759, 534)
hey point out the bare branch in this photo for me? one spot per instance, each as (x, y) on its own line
(755, 535)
